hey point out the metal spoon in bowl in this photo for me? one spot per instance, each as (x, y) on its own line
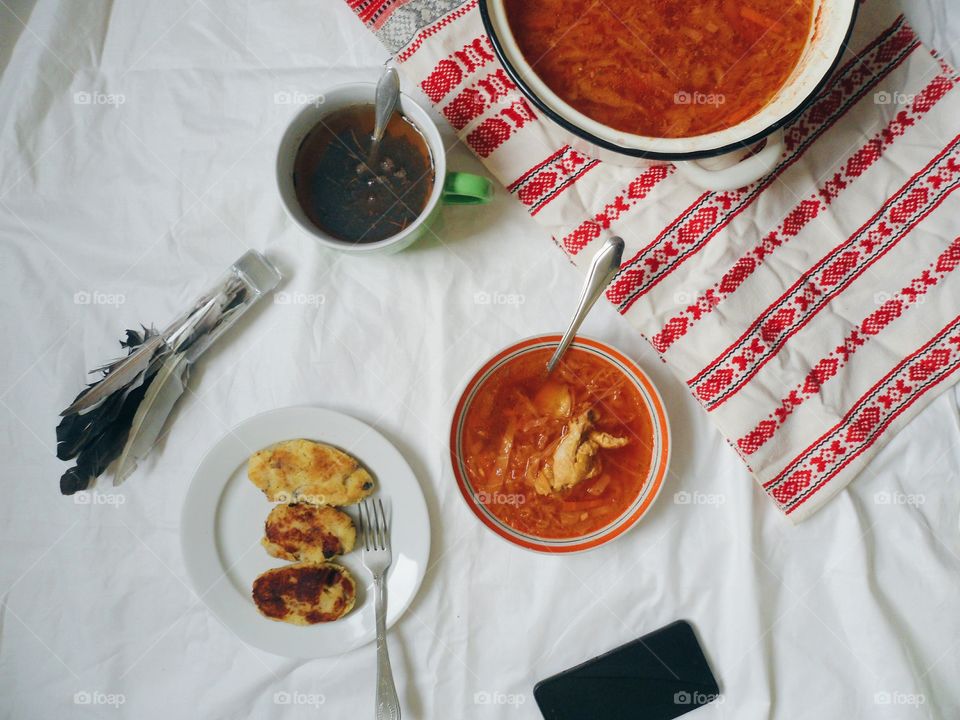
(385, 104)
(604, 266)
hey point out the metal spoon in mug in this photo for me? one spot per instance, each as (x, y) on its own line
(385, 104)
(604, 266)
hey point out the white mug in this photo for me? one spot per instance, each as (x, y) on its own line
(451, 188)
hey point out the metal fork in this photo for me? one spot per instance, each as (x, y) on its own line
(377, 558)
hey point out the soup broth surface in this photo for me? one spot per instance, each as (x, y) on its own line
(518, 418)
(663, 68)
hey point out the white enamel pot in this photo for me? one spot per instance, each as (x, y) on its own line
(715, 161)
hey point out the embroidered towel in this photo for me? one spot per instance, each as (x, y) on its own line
(813, 313)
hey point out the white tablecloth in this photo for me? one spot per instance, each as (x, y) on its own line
(137, 143)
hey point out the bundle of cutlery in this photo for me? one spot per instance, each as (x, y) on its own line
(120, 416)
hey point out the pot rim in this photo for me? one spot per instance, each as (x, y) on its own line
(570, 126)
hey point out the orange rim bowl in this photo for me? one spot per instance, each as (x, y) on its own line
(642, 502)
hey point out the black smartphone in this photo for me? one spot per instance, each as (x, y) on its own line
(657, 677)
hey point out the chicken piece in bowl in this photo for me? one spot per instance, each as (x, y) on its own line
(575, 458)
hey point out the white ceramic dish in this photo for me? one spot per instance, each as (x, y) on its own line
(223, 518)
(660, 448)
(453, 188)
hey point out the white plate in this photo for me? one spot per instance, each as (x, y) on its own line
(224, 514)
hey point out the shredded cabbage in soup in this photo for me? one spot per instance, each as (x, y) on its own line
(663, 68)
(517, 426)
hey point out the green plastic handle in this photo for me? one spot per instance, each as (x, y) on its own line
(462, 188)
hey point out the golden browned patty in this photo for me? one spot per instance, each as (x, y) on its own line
(305, 593)
(311, 472)
(308, 532)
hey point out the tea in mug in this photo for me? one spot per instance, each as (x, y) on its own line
(355, 198)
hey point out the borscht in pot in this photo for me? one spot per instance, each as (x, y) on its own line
(663, 68)
(699, 83)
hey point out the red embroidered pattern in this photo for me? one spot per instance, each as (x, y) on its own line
(536, 189)
(920, 196)
(473, 101)
(629, 198)
(526, 175)
(455, 68)
(712, 212)
(870, 416)
(830, 366)
(801, 215)
(494, 131)
(476, 95)
(370, 10)
(431, 30)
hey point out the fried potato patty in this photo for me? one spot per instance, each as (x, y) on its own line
(305, 593)
(306, 471)
(308, 532)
